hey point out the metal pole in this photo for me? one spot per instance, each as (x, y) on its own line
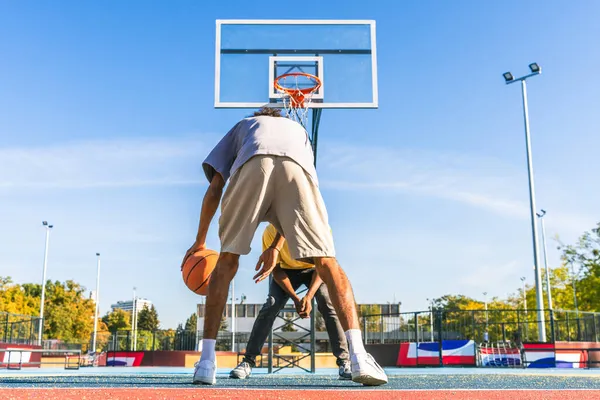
(313, 337)
(41, 323)
(486, 310)
(97, 302)
(233, 315)
(431, 321)
(133, 320)
(574, 291)
(548, 289)
(538, 277)
(524, 295)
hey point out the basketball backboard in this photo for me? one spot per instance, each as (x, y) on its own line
(250, 54)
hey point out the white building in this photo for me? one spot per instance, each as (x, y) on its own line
(128, 305)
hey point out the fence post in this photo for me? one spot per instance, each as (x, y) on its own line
(568, 327)
(6, 329)
(438, 317)
(594, 327)
(473, 323)
(552, 332)
(381, 339)
(416, 317)
(153, 339)
(364, 323)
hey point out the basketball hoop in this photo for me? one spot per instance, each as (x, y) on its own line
(297, 89)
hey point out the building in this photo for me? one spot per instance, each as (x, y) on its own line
(128, 305)
(246, 315)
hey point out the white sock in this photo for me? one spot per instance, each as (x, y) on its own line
(208, 350)
(355, 343)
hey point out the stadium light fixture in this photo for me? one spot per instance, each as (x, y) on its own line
(508, 76)
(535, 68)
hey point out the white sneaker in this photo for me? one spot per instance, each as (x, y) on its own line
(242, 371)
(365, 370)
(345, 371)
(205, 372)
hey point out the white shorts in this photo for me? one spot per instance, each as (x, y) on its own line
(277, 190)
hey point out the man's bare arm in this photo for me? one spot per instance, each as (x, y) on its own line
(210, 204)
(268, 259)
(306, 302)
(315, 284)
(284, 282)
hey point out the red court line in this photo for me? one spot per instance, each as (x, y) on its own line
(283, 394)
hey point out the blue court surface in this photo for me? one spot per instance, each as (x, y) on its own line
(399, 379)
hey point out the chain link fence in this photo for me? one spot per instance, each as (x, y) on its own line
(481, 326)
(19, 329)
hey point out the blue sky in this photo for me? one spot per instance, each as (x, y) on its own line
(106, 113)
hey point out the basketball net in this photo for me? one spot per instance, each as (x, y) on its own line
(297, 89)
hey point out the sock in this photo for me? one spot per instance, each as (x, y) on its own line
(355, 343)
(208, 350)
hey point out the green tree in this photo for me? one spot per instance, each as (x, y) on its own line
(224, 325)
(17, 299)
(68, 314)
(147, 319)
(191, 323)
(370, 313)
(583, 259)
(288, 327)
(117, 320)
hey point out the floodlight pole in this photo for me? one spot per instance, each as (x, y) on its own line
(134, 320)
(538, 277)
(524, 295)
(97, 302)
(42, 300)
(548, 289)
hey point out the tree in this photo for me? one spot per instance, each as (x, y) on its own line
(370, 313)
(15, 299)
(288, 327)
(147, 319)
(224, 325)
(67, 312)
(191, 323)
(583, 259)
(117, 320)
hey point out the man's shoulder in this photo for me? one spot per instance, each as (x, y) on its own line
(273, 121)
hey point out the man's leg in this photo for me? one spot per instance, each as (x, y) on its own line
(218, 290)
(340, 291)
(264, 322)
(339, 345)
(365, 369)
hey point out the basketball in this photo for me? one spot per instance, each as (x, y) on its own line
(197, 270)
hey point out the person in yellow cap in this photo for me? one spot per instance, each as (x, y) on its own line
(288, 276)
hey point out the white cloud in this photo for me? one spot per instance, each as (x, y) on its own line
(103, 163)
(483, 182)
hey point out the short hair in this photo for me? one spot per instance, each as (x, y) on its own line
(268, 111)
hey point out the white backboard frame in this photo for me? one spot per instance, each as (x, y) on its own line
(222, 104)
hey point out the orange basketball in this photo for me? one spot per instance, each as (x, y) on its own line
(197, 270)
